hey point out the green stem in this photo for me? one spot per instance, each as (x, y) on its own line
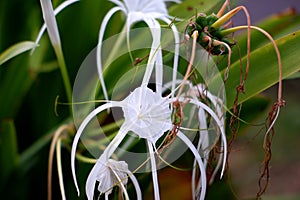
(64, 73)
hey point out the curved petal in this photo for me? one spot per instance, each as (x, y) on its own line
(120, 4)
(56, 11)
(221, 127)
(198, 158)
(154, 171)
(203, 142)
(78, 134)
(136, 185)
(176, 51)
(155, 47)
(103, 159)
(107, 17)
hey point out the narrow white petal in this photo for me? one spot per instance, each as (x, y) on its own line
(136, 185)
(154, 171)
(221, 127)
(120, 181)
(56, 11)
(203, 142)
(78, 134)
(49, 18)
(92, 178)
(120, 4)
(159, 71)
(176, 51)
(155, 32)
(198, 158)
(113, 145)
(107, 17)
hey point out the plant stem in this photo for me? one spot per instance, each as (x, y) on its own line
(64, 74)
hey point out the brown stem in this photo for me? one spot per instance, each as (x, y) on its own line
(190, 66)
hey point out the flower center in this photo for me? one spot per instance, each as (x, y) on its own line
(147, 113)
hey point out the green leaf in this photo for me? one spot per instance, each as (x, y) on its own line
(8, 149)
(252, 109)
(293, 76)
(15, 50)
(263, 71)
(188, 8)
(277, 25)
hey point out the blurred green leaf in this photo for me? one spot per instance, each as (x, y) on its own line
(8, 149)
(188, 8)
(276, 25)
(263, 71)
(252, 109)
(15, 50)
(293, 76)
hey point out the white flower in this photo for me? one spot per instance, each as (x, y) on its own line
(110, 173)
(141, 10)
(149, 114)
(146, 113)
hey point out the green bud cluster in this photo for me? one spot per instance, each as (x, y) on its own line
(203, 25)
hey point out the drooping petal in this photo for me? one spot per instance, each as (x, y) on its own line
(221, 127)
(154, 171)
(202, 144)
(78, 135)
(99, 47)
(176, 51)
(155, 48)
(198, 158)
(136, 185)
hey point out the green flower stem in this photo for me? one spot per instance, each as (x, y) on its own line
(64, 73)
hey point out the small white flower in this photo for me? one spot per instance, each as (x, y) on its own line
(141, 10)
(108, 174)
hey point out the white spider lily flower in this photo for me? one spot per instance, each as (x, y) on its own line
(148, 11)
(146, 113)
(109, 174)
